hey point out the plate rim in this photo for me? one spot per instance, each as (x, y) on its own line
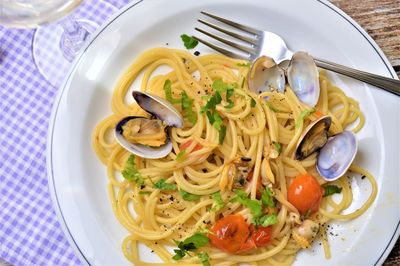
(63, 88)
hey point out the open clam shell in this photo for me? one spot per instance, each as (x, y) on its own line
(266, 75)
(313, 138)
(337, 155)
(303, 78)
(162, 110)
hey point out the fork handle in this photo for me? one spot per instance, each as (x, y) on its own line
(388, 84)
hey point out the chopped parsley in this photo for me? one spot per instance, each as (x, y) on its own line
(131, 173)
(331, 189)
(222, 134)
(267, 199)
(189, 41)
(180, 155)
(270, 107)
(188, 196)
(229, 94)
(219, 203)
(163, 185)
(303, 115)
(267, 220)
(144, 192)
(168, 92)
(204, 259)
(254, 206)
(187, 105)
(192, 243)
(253, 103)
(244, 64)
(278, 147)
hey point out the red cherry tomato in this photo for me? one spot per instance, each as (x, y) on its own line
(229, 233)
(262, 236)
(305, 193)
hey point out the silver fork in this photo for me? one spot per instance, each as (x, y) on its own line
(254, 43)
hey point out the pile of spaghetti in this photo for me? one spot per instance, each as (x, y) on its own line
(225, 194)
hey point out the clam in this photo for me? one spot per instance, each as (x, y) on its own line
(266, 75)
(148, 137)
(336, 155)
(313, 138)
(303, 78)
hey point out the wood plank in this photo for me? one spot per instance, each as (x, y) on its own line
(381, 19)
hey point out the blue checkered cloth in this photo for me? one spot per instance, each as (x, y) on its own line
(30, 233)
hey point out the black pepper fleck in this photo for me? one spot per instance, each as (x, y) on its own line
(197, 53)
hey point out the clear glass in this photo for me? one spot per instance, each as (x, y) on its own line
(32, 13)
(55, 45)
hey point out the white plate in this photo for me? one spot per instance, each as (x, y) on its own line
(78, 179)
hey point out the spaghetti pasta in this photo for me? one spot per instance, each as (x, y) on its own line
(191, 189)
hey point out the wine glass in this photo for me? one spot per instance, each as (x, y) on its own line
(55, 45)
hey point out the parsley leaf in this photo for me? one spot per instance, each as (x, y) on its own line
(131, 173)
(161, 184)
(253, 205)
(187, 104)
(144, 192)
(222, 134)
(219, 203)
(189, 41)
(217, 121)
(168, 92)
(194, 242)
(204, 259)
(331, 189)
(212, 102)
(268, 219)
(278, 147)
(180, 155)
(188, 196)
(273, 109)
(244, 64)
(267, 198)
(253, 103)
(229, 94)
(303, 115)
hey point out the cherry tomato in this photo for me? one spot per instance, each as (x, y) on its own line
(188, 143)
(259, 184)
(305, 193)
(229, 233)
(247, 245)
(262, 236)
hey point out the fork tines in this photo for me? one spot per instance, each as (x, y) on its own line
(247, 37)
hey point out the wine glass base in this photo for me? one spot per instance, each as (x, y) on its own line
(51, 57)
(47, 53)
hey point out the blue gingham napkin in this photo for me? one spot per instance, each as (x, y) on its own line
(30, 233)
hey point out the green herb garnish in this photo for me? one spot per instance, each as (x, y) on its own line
(253, 103)
(188, 196)
(219, 203)
(131, 173)
(244, 64)
(163, 185)
(254, 206)
(267, 199)
(222, 134)
(331, 189)
(180, 155)
(278, 147)
(229, 94)
(192, 243)
(187, 105)
(303, 115)
(168, 92)
(189, 41)
(204, 259)
(144, 192)
(273, 109)
(267, 220)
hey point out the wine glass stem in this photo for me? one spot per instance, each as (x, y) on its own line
(73, 37)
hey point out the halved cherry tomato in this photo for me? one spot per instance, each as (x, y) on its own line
(247, 246)
(262, 236)
(259, 184)
(188, 143)
(305, 193)
(229, 233)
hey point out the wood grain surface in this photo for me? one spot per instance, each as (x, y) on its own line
(381, 19)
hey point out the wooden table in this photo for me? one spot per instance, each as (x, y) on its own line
(381, 19)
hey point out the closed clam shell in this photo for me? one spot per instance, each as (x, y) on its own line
(337, 155)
